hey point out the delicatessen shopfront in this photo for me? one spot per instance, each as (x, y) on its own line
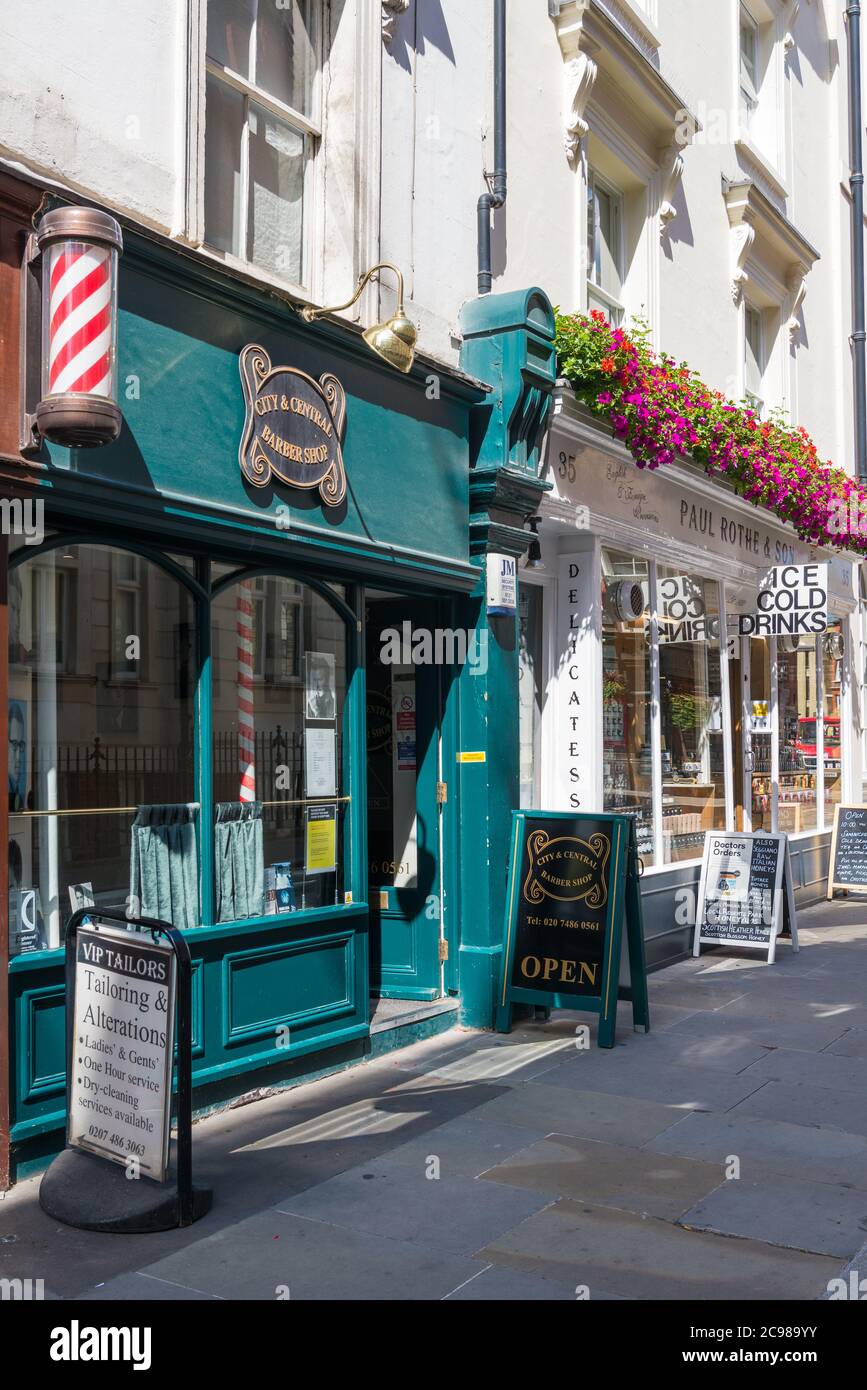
(648, 684)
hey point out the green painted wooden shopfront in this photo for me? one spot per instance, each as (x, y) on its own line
(442, 468)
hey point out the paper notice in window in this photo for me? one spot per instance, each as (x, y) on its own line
(319, 762)
(321, 840)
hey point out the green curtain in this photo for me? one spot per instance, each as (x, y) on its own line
(240, 860)
(164, 865)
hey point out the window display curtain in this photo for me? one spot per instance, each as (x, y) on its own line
(164, 865)
(239, 867)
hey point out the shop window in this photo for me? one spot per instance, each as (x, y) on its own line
(605, 265)
(754, 357)
(626, 694)
(691, 714)
(261, 130)
(531, 692)
(797, 702)
(277, 748)
(833, 647)
(101, 777)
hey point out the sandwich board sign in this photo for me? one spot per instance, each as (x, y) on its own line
(745, 895)
(572, 886)
(120, 1087)
(848, 867)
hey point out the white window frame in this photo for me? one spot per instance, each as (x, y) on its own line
(135, 587)
(310, 127)
(752, 311)
(595, 291)
(749, 93)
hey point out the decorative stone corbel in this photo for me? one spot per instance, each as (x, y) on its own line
(743, 237)
(796, 284)
(671, 168)
(580, 75)
(391, 11)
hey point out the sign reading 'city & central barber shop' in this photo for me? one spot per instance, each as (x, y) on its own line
(573, 883)
(293, 428)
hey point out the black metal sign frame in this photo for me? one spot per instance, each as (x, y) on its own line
(183, 1034)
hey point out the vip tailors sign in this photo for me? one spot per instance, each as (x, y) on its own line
(572, 881)
(120, 1085)
(792, 601)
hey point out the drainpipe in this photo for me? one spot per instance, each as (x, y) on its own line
(496, 194)
(856, 184)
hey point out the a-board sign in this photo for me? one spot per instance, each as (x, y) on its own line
(848, 866)
(572, 885)
(120, 1090)
(745, 895)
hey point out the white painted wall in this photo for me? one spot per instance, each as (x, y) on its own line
(94, 93)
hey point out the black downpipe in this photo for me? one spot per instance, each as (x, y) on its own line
(856, 185)
(496, 194)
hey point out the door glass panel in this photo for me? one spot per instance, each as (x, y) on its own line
(833, 649)
(690, 697)
(627, 758)
(760, 732)
(530, 691)
(797, 697)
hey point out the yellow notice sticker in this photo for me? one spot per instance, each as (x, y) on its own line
(321, 856)
(471, 757)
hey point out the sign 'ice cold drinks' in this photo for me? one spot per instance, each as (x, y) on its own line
(792, 602)
(120, 1089)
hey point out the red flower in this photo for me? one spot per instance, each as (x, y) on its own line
(608, 364)
(598, 315)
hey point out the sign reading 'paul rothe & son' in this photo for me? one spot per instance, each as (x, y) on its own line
(293, 428)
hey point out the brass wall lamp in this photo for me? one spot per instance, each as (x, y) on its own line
(395, 339)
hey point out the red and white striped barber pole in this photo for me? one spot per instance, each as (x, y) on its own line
(79, 249)
(246, 721)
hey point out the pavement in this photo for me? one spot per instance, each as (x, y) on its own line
(721, 1156)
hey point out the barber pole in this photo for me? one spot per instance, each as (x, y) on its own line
(79, 249)
(246, 724)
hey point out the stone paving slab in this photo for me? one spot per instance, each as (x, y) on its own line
(640, 1257)
(802, 1104)
(143, 1288)
(585, 1114)
(690, 1088)
(496, 1284)
(609, 1175)
(275, 1255)
(387, 1198)
(815, 1069)
(723, 1051)
(819, 1217)
(762, 1145)
(796, 1032)
(466, 1147)
(851, 1044)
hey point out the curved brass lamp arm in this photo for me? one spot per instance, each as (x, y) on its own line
(309, 313)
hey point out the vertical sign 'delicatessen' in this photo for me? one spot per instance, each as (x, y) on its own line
(293, 428)
(120, 1086)
(573, 881)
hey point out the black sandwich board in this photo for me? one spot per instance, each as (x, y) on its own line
(745, 895)
(573, 881)
(848, 866)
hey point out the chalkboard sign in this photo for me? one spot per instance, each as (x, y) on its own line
(848, 866)
(745, 895)
(573, 880)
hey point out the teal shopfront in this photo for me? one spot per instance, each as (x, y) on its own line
(206, 722)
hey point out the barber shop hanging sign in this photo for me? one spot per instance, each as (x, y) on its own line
(293, 428)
